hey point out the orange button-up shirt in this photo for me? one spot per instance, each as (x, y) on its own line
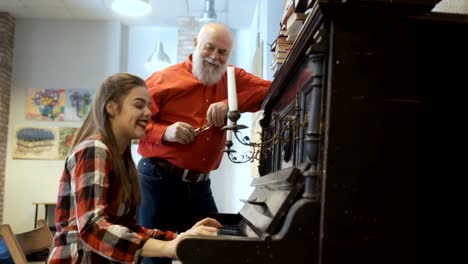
(177, 96)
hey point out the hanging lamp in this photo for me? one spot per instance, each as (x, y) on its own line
(158, 59)
(132, 7)
(208, 14)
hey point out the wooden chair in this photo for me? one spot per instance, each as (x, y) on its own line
(28, 242)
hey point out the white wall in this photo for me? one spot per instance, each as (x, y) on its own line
(51, 54)
(270, 13)
(142, 41)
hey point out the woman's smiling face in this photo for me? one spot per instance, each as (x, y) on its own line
(129, 121)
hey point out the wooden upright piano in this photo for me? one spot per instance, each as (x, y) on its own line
(370, 118)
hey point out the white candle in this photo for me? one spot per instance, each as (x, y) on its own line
(232, 91)
(229, 132)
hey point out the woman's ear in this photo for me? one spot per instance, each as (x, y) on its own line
(111, 108)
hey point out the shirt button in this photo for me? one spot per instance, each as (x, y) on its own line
(203, 159)
(207, 139)
(206, 100)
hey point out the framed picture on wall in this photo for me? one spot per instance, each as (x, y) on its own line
(32, 142)
(35, 142)
(66, 138)
(45, 104)
(77, 105)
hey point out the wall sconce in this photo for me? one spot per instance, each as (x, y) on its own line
(131, 7)
(286, 130)
(158, 59)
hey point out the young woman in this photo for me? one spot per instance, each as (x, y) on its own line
(99, 190)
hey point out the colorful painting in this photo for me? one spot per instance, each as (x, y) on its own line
(77, 104)
(45, 104)
(66, 137)
(35, 143)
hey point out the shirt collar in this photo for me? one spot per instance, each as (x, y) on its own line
(188, 62)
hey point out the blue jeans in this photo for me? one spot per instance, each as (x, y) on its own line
(170, 203)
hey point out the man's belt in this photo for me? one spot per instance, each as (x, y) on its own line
(187, 175)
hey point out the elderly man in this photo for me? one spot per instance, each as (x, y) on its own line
(178, 157)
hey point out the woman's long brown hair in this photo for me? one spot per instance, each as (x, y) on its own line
(97, 124)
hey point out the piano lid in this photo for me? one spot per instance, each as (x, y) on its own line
(273, 195)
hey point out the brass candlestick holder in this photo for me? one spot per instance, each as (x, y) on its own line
(233, 116)
(286, 131)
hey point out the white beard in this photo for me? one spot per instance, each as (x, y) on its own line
(208, 75)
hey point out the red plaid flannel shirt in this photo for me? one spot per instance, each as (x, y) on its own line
(91, 226)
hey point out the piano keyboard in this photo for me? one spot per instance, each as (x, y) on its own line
(230, 230)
